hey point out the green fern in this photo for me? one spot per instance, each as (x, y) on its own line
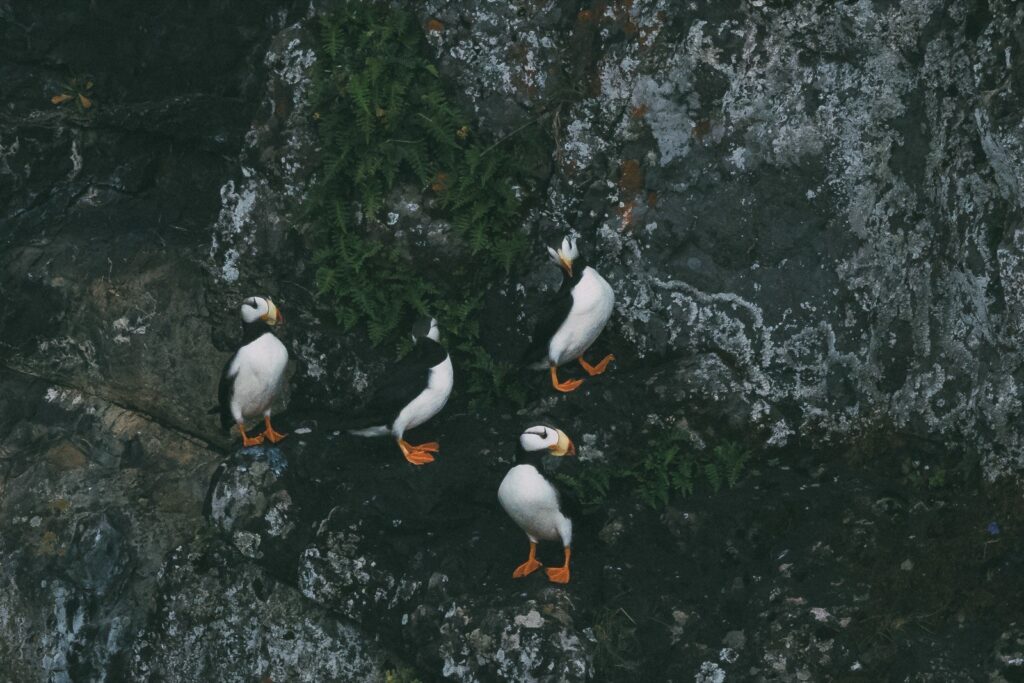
(668, 467)
(384, 120)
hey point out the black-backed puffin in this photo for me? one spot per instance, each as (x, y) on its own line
(410, 393)
(252, 377)
(533, 502)
(574, 318)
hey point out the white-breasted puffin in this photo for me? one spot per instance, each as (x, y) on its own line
(252, 377)
(533, 502)
(411, 392)
(574, 318)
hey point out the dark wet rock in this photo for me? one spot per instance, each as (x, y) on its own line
(85, 528)
(460, 636)
(220, 619)
(810, 213)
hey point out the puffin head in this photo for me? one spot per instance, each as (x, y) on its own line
(544, 437)
(567, 255)
(426, 328)
(260, 308)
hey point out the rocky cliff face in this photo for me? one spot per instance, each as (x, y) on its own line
(811, 215)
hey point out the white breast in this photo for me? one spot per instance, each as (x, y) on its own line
(258, 370)
(430, 401)
(592, 303)
(532, 503)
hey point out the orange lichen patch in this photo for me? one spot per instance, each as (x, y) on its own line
(585, 16)
(639, 112)
(440, 182)
(631, 178)
(652, 199)
(61, 99)
(701, 129)
(434, 26)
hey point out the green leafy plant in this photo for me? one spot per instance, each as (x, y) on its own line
(76, 91)
(668, 466)
(385, 122)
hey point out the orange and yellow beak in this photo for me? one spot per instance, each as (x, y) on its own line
(565, 262)
(273, 316)
(564, 445)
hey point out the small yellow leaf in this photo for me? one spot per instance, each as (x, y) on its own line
(85, 101)
(60, 99)
(88, 85)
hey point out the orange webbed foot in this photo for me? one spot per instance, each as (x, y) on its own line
(526, 568)
(599, 368)
(566, 386)
(268, 431)
(416, 455)
(531, 565)
(560, 574)
(247, 440)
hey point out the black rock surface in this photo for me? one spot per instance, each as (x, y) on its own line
(811, 213)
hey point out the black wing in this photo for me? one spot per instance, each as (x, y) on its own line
(399, 386)
(224, 392)
(555, 313)
(568, 502)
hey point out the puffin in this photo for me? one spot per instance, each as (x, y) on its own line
(533, 502)
(252, 377)
(411, 392)
(573, 320)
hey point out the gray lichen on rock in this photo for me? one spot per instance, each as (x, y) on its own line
(811, 215)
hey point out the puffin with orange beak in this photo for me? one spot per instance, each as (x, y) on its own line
(533, 502)
(574, 318)
(252, 377)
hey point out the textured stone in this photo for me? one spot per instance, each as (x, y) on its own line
(810, 212)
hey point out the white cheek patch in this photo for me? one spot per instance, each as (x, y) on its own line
(251, 314)
(538, 438)
(569, 249)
